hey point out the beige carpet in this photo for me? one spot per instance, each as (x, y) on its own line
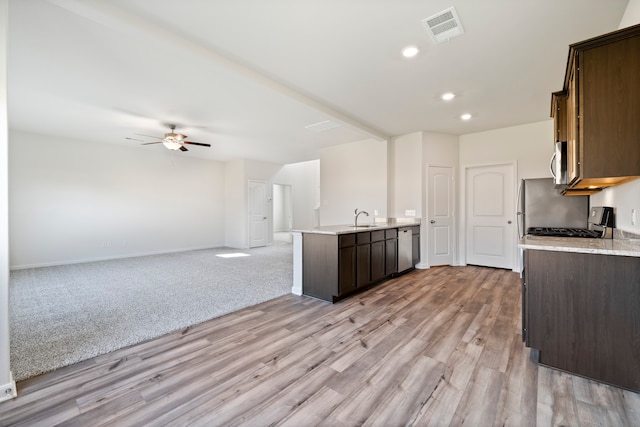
(65, 314)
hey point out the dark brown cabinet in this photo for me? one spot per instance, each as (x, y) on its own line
(363, 265)
(347, 270)
(334, 266)
(602, 91)
(580, 311)
(378, 254)
(391, 251)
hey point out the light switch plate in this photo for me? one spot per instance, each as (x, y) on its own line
(410, 212)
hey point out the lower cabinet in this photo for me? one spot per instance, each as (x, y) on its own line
(582, 313)
(363, 265)
(391, 252)
(346, 270)
(378, 264)
(335, 266)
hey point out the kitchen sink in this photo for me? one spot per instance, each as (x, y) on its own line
(364, 226)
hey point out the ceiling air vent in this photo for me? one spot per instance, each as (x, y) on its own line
(322, 126)
(444, 26)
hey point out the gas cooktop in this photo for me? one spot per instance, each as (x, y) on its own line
(563, 232)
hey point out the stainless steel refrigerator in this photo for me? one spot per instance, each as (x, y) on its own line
(541, 205)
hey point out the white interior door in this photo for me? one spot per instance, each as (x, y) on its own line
(490, 215)
(257, 214)
(441, 215)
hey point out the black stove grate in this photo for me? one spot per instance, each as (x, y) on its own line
(563, 232)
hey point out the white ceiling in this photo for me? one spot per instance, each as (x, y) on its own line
(247, 76)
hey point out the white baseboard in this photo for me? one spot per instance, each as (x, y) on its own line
(8, 391)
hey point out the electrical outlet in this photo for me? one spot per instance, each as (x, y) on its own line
(633, 217)
(375, 212)
(410, 212)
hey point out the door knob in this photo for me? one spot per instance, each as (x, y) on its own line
(509, 222)
(433, 221)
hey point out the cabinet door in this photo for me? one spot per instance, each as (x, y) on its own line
(391, 257)
(583, 314)
(415, 244)
(363, 265)
(377, 261)
(347, 269)
(573, 130)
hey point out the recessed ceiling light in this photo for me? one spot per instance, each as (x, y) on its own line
(448, 96)
(465, 116)
(410, 51)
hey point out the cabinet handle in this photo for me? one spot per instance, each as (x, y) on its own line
(433, 221)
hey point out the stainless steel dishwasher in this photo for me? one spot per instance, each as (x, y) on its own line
(405, 249)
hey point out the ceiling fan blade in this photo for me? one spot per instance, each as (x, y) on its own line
(183, 148)
(134, 139)
(196, 143)
(149, 143)
(148, 136)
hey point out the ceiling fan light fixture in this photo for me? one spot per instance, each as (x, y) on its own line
(173, 141)
(171, 144)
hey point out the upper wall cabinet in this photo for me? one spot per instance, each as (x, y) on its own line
(598, 111)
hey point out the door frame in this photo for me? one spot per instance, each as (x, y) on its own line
(454, 222)
(462, 236)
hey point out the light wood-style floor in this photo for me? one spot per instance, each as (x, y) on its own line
(433, 347)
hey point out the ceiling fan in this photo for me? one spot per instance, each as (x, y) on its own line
(172, 140)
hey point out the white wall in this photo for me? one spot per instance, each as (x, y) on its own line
(627, 196)
(281, 207)
(304, 179)
(631, 14)
(410, 157)
(530, 146)
(7, 388)
(235, 205)
(438, 150)
(407, 175)
(353, 176)
(72, 201)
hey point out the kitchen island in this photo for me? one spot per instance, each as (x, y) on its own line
(332, 262)
(581, 306)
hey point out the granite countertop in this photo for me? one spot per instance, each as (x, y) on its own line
(380, 224)
(616, 246)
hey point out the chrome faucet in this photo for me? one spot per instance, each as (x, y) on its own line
(358, 214)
